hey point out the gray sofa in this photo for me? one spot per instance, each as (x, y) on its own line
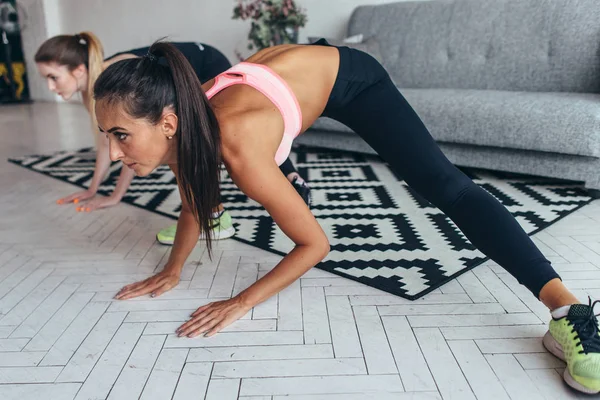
(509, 85)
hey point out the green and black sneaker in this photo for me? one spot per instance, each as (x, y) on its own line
(222, 229)
(573, 337)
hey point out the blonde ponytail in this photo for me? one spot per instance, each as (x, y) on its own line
(94, 64)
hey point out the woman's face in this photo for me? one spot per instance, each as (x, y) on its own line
(139, 144)
(61, 80)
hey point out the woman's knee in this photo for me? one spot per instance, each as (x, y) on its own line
(447, 189)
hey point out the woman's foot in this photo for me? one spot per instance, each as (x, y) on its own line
(573, 337)
(222, 229)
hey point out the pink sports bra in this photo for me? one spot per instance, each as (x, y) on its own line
(266, 81)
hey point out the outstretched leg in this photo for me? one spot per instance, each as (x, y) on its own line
(365, 99)
(384, 119)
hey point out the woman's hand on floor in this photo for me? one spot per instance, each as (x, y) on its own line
(213, 317)
(155, 285)
(98, 203)
(77, 197)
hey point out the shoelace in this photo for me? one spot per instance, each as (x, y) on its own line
(587, 330)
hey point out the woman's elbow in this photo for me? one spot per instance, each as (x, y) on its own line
(324, 247)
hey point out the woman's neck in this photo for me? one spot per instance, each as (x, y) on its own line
(85, 99)
(172, 155)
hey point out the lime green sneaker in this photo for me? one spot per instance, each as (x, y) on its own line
(573, 337)
(222, 229)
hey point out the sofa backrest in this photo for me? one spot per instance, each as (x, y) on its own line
(520, 45)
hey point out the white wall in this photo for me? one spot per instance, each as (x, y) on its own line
(126, 24)
(39, 21)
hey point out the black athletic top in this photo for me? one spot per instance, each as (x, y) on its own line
(207, 61)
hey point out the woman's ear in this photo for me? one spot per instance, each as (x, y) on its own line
(168, 124)
(79, 71)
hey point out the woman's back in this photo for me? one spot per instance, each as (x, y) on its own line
(296, 65)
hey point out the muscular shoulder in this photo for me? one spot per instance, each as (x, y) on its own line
(235, 146)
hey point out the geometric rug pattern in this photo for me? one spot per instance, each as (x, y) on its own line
(381, 232)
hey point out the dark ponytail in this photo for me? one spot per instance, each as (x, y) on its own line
(144, 87)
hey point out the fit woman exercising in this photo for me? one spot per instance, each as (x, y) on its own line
(247, 118)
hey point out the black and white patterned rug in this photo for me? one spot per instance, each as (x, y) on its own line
(381, 233)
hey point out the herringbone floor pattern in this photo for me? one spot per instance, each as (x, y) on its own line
(63, 337)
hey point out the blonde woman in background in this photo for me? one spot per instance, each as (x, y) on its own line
(72, 63)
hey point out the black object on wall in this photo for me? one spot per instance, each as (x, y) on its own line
(13, 79)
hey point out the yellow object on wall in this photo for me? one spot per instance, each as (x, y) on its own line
(18, 73)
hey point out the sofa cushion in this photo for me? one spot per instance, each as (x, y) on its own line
(567, 123)
(521, 45)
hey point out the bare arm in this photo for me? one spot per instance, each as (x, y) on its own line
(102, 162)
(264, 183)
(261, 180)
(125, 178)
(186, 238)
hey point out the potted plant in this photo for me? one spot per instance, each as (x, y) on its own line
(273, 21)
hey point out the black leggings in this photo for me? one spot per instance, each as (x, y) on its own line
(365, 99)
(287, 167)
